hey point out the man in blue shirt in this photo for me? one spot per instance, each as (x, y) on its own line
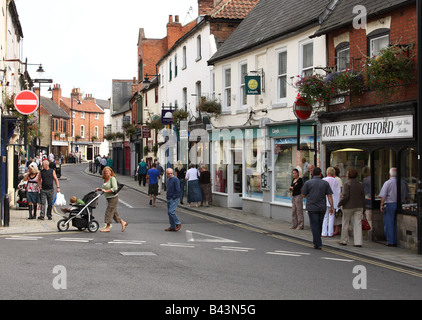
(153, 175)
(388, 195)
(173, 195)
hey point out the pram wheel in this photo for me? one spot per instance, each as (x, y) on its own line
(62, 225)
(93, 226)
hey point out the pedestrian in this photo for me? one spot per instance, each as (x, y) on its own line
(180, 172)
(308, 175)
(194, 190)
(103, 163)
(110, 188)
(173, 194)
(161, 178)
(153, 176)
(315, 191)
(22, 170)
(338, 214)
(388, 195)
(205, 184)
(47, 193)
(142, 172)
(96, 163)
(329, 217)
(32, 190)
(297, 201)
(109, 162)
(353, 202)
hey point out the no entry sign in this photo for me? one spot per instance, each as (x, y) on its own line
(302, 109)
(26, 102)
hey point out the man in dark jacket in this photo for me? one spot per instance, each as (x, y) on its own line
(173, 195)
(316, 191)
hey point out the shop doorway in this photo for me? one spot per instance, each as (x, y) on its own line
(235, 179)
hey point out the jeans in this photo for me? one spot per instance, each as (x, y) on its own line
(46, 195)
(182, 189)
(171, 210)
(390, 223)
(316, 218)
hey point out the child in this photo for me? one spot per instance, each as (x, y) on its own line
(74, 202)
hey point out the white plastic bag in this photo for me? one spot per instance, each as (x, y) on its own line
(60, 200)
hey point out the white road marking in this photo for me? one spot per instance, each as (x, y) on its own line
(84, 240)
(126, 204)
(238, 249)
(205, 237)
(287, 253)
(179, 245)
(335, 259)
(127, 242)
(25, 238)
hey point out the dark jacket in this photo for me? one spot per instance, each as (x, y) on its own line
(173, 188)
(353, 195)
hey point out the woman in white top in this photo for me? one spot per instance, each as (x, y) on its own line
(194, 189)
(328, 224)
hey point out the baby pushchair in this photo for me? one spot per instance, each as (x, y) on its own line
(81, 215)
(22, 201)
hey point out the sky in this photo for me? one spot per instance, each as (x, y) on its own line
(87, 43)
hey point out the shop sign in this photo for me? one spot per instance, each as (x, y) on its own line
(146, 132)
(253, 85)
(167, 116)
(368, 129)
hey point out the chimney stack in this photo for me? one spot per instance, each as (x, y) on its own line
(205, 6)
(76, 94)
(57, 94)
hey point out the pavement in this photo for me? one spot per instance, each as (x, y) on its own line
(19, 224)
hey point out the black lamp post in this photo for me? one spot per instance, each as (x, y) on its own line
(419, 123)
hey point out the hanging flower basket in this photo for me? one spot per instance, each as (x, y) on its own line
(394, 67)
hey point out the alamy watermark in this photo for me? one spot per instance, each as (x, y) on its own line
(360, 20)
(60, 281)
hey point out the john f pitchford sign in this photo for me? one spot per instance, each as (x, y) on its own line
(368, 129)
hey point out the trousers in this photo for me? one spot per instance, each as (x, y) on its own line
(316, 219)
(328, 224)
(390, 223)
(356, 215)
(46, 195)
(171, 210)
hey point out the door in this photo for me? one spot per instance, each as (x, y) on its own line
(235, 179)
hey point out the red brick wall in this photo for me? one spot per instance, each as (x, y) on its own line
(403, 31)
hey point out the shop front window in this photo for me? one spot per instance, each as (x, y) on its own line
(409, 180)
(384, 160)
(254, 163)
(287, 158)
(220, 161)
(359, 159)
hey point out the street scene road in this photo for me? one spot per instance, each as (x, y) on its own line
(208, 259)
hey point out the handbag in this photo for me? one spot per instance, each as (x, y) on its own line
(365, 224)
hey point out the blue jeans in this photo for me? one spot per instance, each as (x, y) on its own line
(390, 223)
(171, 210)
(316, 218)
(182, 189)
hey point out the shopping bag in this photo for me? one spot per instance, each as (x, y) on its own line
(365, 224)
(60, 200)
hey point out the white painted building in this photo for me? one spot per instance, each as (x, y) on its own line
(254, 141)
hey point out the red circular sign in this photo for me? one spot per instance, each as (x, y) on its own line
(26, 102)
(302, 109)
